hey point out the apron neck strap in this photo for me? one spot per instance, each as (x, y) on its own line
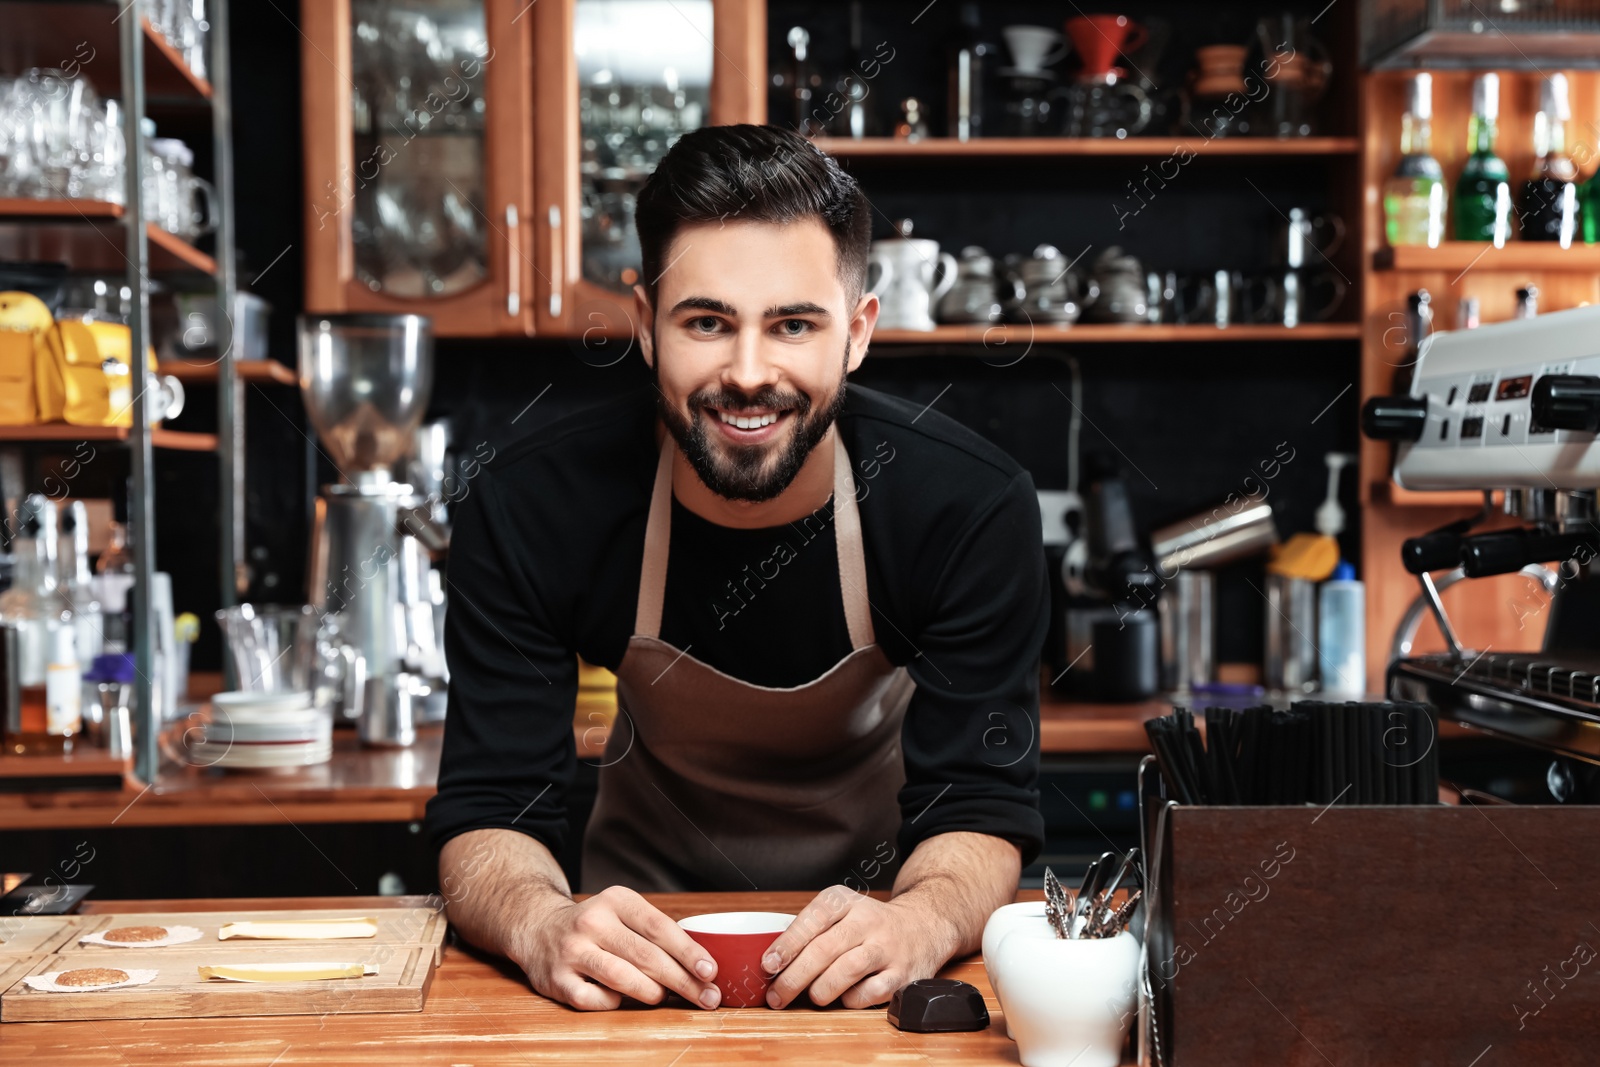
(847, 536)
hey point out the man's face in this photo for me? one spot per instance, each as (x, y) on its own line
(750, 341)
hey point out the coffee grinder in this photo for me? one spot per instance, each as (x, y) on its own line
(365, 380)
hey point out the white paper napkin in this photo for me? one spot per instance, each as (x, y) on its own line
(176, 935)
(46, 983)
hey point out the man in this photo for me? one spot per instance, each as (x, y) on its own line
(834, 683)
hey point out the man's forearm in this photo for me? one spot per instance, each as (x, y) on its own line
(959, 879)
(493, 881)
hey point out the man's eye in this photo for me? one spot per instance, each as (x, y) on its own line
(795, 327)
(705, 324)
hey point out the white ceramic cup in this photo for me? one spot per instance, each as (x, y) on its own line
(1033, 47)
(1027, 915)
(1068, 1001)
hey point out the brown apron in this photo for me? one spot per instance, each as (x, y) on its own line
(711, 783)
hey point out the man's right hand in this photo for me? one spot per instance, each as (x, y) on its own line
(615, 943)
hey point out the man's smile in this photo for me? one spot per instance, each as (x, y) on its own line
(749, 426)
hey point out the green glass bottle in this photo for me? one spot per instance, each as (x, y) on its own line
(1483, 192)
(1414, 198)
(1589, 198)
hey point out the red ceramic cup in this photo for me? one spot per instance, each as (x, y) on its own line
(1098, 39)
(737, 940)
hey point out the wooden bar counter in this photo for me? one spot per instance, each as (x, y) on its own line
(360, 785)
(481, 1011)
(390, 785)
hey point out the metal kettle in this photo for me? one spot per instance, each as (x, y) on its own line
(1045, 288)
(973, 298)
(1117, 291)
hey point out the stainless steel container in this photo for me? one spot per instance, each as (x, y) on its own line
(356, 569)
(1291, 634)
(1188, 612)
(391, 709)
(1209, 539)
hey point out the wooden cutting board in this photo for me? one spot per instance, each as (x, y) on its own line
(396, 927)
(178, 992)
(14, 967)
(30, 934)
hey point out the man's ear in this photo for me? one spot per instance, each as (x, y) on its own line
(645, 315)
(861, 326)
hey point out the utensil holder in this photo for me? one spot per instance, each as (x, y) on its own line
(1418, 934)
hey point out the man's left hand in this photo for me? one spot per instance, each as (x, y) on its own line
(848, 946)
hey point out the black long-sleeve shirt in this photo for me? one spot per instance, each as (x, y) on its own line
(544, 565)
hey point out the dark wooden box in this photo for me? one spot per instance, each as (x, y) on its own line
(1363, 936)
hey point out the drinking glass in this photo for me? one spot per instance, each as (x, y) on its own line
(16, 155)
(107, 156)
(273, 647)
(53, 111)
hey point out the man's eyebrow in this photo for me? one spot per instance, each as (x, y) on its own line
(778, 311)
(704, 303)
(805, 307)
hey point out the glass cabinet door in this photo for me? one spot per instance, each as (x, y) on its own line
(617, 83)
(416, 130)
(644, 79)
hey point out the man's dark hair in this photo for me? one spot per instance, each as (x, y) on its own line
(753, 174)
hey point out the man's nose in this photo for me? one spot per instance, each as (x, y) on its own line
(749, 366)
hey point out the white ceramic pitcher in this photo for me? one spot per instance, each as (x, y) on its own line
(906, 286)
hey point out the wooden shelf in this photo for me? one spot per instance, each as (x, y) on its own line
(180, 440)
(1011, 147)
(178, 249)
(82, 37)
(259, 371)
(23, 207)
(1475, 255)
(88, 234)
(165, 69)
(1099, 333)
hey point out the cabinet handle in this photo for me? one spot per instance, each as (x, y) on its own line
(513, 270)
(556, 280)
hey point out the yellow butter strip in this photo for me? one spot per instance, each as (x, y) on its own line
(286, 972)
(300, 929)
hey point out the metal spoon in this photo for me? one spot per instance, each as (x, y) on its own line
(1100, 908)
(1093, 879)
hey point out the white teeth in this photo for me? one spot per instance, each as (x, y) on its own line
(753, 422)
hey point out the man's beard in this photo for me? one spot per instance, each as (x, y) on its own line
(745, 472)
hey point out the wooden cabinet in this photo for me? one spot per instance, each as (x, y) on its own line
(475, 160)
(418, 156)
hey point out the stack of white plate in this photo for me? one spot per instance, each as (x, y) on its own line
(259, 731)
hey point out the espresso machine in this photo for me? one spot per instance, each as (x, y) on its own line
(1513, 406)
(365, 380)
